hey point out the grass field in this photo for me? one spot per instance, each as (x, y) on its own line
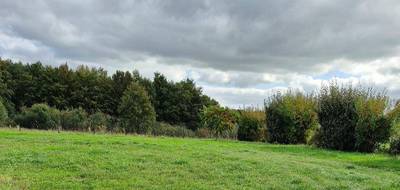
(48, 160)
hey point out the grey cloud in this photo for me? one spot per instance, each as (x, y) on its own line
(390, 70)
(254, 36)
(239, 50)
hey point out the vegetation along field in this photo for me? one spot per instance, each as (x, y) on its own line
(126, 131)
(31, 159)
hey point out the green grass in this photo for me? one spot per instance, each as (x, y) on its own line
(48, 160)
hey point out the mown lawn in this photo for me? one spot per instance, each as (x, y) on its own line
(48, 160)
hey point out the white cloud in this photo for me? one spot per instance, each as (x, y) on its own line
(241, 97)
(23, 49)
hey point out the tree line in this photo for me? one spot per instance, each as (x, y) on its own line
(340, 117)
(94, 91)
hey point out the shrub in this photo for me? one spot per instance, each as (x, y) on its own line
(372, 125)
(39, 116)
(99, 122)
(204, 132)
(75, 119)
(250, 127)
(383, 148)
(394, 142)
(313, 135)
(3, 114)
(222, 121)
(136, 111)
(338, 117)
(352, 119)
(289, 117)
(164, 129)
(227, 134)
(114, 125)
(395, 145)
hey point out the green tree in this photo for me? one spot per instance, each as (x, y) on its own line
(20, 83)
(146, 83)
(5, 92)
(120, 82)
(165, 103)
(179, 103)
(90, 90)
(190, 103)
(136, 111)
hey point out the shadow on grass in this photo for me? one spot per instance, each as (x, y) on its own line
(370, 160)
(386, 164)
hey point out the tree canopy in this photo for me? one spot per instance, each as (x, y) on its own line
(94, 90)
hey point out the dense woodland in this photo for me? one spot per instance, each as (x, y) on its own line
(340, 117)
(93, 90)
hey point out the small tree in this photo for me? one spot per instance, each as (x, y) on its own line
(220, 120)
(289, 117)
(136, 111)
(39, 116)
(251, 127)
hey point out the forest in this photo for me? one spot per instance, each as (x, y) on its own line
(92, 90)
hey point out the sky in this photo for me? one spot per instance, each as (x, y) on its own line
(238, 51)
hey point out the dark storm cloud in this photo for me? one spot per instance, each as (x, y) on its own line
(231, 35)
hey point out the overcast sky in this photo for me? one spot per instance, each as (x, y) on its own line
(239, 51)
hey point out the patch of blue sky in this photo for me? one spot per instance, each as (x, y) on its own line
(333, 74)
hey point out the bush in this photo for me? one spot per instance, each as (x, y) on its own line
(394, 142)
(114, 125)
(352, 119)
(372, 126)
(136, 111)
(250, 128)
(221, 121)
(227, 134)
(99, 122)
(3, 115)
(394, 145)
(313, 136)
(164, 129)
(338, 117)
(383, 148)
(39, 116)
(75, 119)
(289, 117)
(204, 133)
